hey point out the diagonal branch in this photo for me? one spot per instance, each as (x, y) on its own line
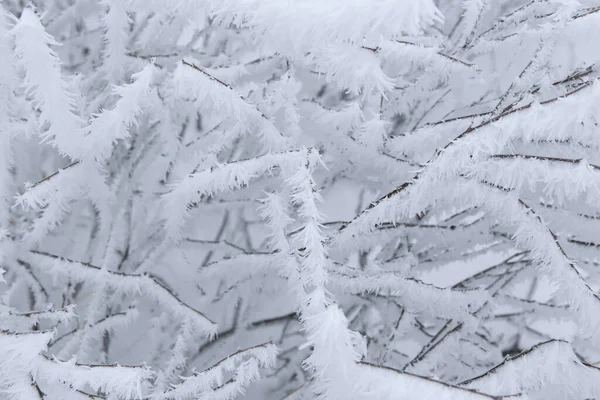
(400, 189)
(543, 158)
(146, 282)
(447, 56)
(47, 178)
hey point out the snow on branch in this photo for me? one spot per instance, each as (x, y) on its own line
(396, 51)
(222, 178)
(547, 370)
(415, 295)
(388, 383)
(352, 68)
(178, 359)
(23, 347)
(335, 348)
(476, 142)
(563, 179)
(95, 144)
(531, 233)
(333, 45)
(226, 379)
(45, 83)
(22, 356)
(385, 20)
(55, 192)
(145, 284)
(116, 26)
(109, 126)
(105, 324)
(553, 261)
(123, 381)
(205, 90)
(32, 317)
(82, 177)
(275, 211)
(472, 14)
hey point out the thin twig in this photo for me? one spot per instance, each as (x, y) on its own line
(543, 158)
(47, 178)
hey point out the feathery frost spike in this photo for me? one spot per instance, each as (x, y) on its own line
(46, 85)
(116, 25)
(111, 125)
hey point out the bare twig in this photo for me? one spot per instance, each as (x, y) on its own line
(74, 163)
(447, 56)
(542, 158)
